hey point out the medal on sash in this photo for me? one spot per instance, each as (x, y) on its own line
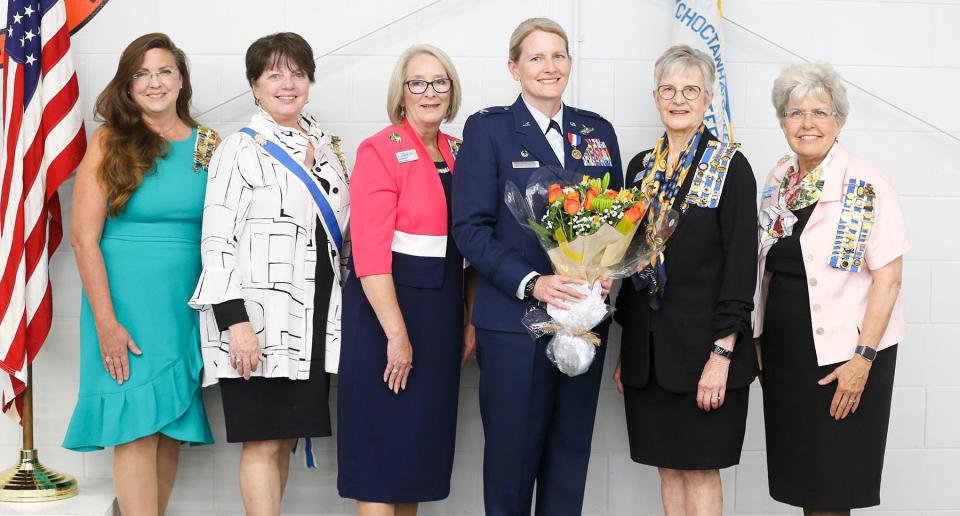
(853, 229)
(707, 184)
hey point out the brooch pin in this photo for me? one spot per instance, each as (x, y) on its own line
(395, 137)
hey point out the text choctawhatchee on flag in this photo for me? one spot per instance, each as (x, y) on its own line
(698, 24)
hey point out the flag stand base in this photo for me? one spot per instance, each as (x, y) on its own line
(30, 481)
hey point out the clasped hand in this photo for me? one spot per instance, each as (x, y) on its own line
(556, 290)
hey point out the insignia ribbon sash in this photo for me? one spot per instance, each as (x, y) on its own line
(707, 185)
(856, 221)
(326, 212)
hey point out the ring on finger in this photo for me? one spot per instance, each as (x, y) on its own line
(108, 359)
(851, 401)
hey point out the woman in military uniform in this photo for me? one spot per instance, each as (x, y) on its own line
(686, 357)
(538, 423)
(832, 240)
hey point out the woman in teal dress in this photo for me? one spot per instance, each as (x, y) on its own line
(137, 211)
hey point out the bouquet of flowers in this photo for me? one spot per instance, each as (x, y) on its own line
(589, 231)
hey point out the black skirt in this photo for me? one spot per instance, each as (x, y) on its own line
(262, 409)
(668, 430)
(814, 461)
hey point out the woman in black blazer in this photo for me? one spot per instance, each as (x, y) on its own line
(687, 359)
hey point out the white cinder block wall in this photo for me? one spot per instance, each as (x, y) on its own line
(908, 52)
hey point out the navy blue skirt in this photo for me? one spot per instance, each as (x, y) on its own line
(397, 448)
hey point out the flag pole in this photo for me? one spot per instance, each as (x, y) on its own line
(28, 480)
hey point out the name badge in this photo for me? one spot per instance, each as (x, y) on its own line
(407, 156)
(526, 164)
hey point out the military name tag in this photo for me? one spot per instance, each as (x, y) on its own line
(526, 164)
(407, 156)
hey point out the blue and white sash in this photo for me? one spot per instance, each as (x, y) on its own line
(326, 212)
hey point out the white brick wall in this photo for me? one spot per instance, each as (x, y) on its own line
(905, 51)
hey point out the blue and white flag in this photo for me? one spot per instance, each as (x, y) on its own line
(698, 25)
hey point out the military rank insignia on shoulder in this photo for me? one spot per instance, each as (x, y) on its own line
(853, 229)
(207, 141)
(493, 110)
(711, 175)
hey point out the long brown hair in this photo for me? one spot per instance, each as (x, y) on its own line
(130, 147)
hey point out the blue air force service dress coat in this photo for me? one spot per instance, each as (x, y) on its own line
(538, 423)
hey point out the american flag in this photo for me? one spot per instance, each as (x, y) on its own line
(43, 142)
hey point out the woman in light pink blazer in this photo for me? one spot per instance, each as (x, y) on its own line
(832, 238)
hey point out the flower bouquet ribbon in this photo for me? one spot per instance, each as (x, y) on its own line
(589, 231)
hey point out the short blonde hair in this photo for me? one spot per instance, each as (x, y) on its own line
(531, 25)
(399, 76)
(680, 57)
(799, 81)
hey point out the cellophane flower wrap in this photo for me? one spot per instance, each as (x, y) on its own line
(590, 232)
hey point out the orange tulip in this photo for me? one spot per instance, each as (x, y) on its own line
(571, 206)
(610, 194)
(573, 195)
(555, 193)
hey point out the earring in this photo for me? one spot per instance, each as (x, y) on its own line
(403, 112)
(256, 101)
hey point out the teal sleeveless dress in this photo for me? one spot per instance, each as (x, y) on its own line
(152, 256)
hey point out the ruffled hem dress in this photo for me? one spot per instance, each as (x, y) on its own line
(152, 257)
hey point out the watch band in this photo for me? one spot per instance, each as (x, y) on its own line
(869, 354)
(722, 351)
(528, 288)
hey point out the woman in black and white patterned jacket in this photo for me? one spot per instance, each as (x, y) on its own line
(274, 246)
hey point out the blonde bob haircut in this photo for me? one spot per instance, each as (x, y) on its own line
(531, 25)
(399, 77)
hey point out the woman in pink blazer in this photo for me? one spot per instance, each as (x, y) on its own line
(832, 238)
(404, 300)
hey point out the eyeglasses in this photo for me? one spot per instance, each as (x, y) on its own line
(797, 115)
(164, 74)
(689, 92)
(418, 86)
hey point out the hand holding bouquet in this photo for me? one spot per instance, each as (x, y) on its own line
(589, 232)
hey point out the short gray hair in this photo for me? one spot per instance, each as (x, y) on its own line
(399, 76)
(818, 79)
(683, 57)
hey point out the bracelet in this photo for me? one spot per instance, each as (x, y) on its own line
(722, 351)
(869, 354)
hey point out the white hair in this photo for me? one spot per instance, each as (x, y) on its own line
(819, 79)
(683, 57)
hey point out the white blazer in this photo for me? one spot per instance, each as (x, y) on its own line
(258, 245)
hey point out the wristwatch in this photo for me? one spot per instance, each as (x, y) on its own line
(869, 354)
(722, 351)
(528, 288)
